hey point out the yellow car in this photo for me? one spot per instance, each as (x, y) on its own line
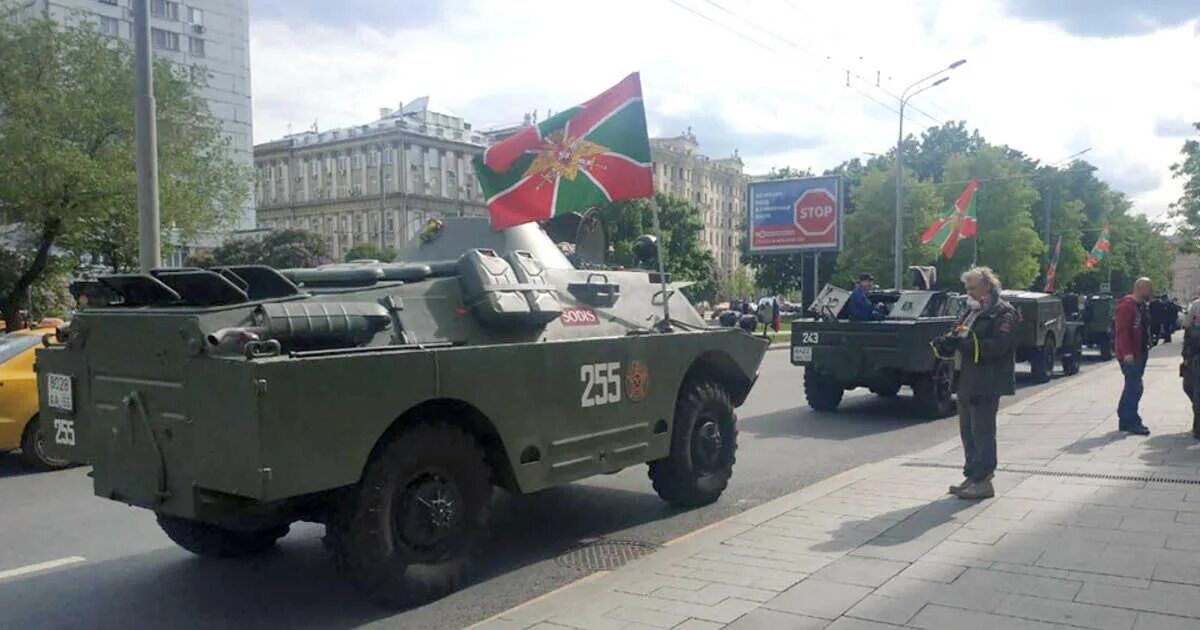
(19, 398)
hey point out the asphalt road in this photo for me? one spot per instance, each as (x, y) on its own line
(104, 565)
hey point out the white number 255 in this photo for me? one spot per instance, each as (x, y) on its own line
(601, 384)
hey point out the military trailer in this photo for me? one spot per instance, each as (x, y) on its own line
(386, 400)
(883, 355)
(1044, 335)
(1097, 318)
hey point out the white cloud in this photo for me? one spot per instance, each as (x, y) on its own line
(782, 102)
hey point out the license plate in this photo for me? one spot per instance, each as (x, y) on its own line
(801, 354)
(58, 391)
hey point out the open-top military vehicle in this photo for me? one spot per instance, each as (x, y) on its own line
(1097, 318)
(1045, 334)
(386, 400)
(883, 355)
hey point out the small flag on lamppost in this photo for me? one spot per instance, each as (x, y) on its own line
(959, 223)
(1053, 270)
(1100, 250)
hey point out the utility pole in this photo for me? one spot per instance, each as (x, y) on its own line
(149, 243)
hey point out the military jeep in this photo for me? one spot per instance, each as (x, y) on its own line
(386, 400)
(883, 355)
(1044, 334)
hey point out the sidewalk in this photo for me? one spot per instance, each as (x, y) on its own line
(1089, 529)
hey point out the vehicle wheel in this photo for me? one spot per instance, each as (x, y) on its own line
(1106, 349)
(1043, 363)
(33, 449)
(703, 442)
(407, 533)
(933, 393)
(211, 541)
(822, 394)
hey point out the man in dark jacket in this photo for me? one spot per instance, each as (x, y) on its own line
(1131, 340)
(984, 354)
(859, 306)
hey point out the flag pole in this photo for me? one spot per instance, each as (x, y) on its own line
(665, 326)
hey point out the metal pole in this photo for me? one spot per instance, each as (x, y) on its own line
(816, 272)
(662, 264)
(898, 236)
(150, 246)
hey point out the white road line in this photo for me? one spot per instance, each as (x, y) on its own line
(41, 566)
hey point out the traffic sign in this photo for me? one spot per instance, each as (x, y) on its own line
(816, 212)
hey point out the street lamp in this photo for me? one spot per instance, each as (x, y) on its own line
(905, 96)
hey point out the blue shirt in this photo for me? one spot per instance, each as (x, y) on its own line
(859, 306)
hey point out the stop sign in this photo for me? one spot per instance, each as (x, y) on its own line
(816, 212)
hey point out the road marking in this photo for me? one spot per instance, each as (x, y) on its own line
(41, 566)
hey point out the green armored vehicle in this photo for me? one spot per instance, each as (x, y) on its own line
(883, 355)
(1097, 318)
(1045, 334)
(386, 400)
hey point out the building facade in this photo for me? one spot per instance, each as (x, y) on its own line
(211, 37)
(716, 186)
(374, 183)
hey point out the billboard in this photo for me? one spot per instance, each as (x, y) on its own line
(788, 216)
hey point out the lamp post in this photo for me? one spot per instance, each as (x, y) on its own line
(905, 96)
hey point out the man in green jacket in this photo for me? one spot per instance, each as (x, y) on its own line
(984, 356)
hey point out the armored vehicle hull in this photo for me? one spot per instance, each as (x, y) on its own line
(387, 408)
(1097, 318)
(884, 355)
(1044, 335)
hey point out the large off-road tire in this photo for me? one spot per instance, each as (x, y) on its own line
(1070, 362)
(888, 390)
(33, 449)
(212, 541)
(1106, 349)
(933, 393)
(703, 447)
(408, 532)
(1042, 363)
(822, 394)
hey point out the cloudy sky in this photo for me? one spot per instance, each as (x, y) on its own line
(765, 77)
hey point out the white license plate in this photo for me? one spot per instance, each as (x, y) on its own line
(58, 391)
(801, 354)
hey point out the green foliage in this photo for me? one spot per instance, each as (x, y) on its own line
(869, 230)
(1187, 209)
(67, 147)
(48, 295)
(282, 249)
(370, 251)
(625, 221)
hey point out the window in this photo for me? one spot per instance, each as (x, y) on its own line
(164, 40)
(196, 46)
(110, 26)
(164, 9)
(112, 2)
(195, 16)
(343, 163)
(387, 156)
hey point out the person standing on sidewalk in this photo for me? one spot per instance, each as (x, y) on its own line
(1131, 338)
(984, 356)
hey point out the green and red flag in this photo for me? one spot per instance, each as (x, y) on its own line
(1053, 270)
(959, 223)
(1100, 249)
(580, 158)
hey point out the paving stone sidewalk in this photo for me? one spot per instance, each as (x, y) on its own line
(1089, 529)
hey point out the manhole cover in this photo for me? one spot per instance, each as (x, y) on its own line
(605, 555)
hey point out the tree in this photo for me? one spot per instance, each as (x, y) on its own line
(67, 149)
(1187, 209)
(625, 221)
(282, 249)
(370, 251)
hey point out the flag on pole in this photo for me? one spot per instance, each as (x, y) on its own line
(1053, 270)
(959, 223)
(579, 158)
(1100, 249)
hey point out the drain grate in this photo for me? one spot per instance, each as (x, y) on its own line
(1024, 470)
(605, 555)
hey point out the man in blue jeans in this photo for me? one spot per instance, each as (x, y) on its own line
(1131, 338)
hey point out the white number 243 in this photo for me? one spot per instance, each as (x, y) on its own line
(601, 384)
(810, 337)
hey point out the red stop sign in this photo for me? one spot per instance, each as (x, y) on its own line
(816, 212)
